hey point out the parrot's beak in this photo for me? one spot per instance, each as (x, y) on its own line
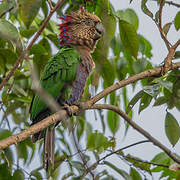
(99, 31)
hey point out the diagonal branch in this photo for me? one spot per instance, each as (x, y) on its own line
(137, 127)
(24, 53)
(131, 79)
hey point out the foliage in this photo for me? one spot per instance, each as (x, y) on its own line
(121, 53)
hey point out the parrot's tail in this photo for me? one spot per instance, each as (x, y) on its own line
(48, 158)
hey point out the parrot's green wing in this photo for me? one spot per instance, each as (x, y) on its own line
(59, 72)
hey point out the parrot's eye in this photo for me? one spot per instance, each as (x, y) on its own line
(89, 22)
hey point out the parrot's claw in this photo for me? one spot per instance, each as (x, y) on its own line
(68, 109)
(79, 105)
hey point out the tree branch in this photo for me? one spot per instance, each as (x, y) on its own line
(137, 127)
(62, 114)
(172, 3)
(23, 54)
(131, 79)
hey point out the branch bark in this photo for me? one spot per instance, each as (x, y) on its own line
(63, 115)
(24, 53)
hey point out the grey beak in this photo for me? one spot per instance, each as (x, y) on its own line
(99, 28)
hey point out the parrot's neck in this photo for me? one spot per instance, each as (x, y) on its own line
(86, 59)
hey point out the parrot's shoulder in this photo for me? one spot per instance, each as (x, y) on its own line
(64, 59)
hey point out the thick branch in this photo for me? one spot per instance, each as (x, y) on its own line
(59, 116)
(137, 127)
(23, 54)
(132, 79)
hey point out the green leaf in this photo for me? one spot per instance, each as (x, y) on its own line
(160, 158)
(4, 134)
(9, 32)
(139, 65)
(177, 21)
(152, 90)
(38, 49)
(160, 100)
(80, 127)
(129, 38)
(167, 84)
(145, 9)
(130, 16)
(145, 46)
(97, 141)
(78, 165)
(177, 55)
(116, 45)
(137, 162)
(8, 56)
(172, 129)
(18, 175)
(5, 172)
(6, 5)
(166, 28)
(29, 10)
(108, 80)
(113, 121)
(145, 101)
(27, 33)
(123, 173)
(134, 100)
(134, 174)
(36, 174)
(22, 150)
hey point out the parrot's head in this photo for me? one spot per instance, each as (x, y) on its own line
(80, 30)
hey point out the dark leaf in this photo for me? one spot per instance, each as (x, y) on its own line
(172, 129)
(29, 10)
(152, 90)
(130, 16)
(18, 175)
(129, 38)
(177, 21)
(145, 101)
(134, 174)
(9, 32)
(4, 134)
(113, 121)
(123, 173)
(160, 100)
(145, 9)
(134, 100)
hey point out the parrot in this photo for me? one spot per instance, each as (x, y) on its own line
(65, 74)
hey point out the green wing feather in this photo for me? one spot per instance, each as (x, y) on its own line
(59, 71)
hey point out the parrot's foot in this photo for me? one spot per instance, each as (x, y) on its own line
(68, 109)
(79, 105)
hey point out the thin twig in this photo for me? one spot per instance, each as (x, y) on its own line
(50, 5)
(142, 161)
(23, 54)
(159, 25)
(9, 10)
(172, 3)
(82, 156)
